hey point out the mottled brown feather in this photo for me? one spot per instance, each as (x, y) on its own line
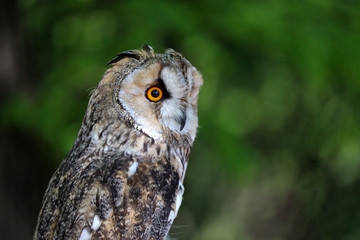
(120, 180)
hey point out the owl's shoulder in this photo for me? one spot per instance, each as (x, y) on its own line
(80, 196)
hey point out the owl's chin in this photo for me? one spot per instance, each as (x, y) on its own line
(151, 132)
(169, 134)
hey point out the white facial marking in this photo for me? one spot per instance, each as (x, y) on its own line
(191, 123)
(174, 80)
(170, 110)
(85, 234)
(132, 169)
(96, 223)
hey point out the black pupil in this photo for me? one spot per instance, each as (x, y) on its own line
(155, 93)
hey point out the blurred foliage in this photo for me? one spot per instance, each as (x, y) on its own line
(278, 148)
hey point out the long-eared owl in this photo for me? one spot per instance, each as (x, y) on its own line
(122, 179)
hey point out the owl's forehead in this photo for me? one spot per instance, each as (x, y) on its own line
(145, 66)
(174, 62)
(168, 72)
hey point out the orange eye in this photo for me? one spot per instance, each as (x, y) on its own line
(154, 94)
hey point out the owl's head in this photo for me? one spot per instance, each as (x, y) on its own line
(154, 93)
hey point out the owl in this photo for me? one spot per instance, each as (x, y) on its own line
(123, 177)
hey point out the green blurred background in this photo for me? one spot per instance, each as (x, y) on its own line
(278, 149)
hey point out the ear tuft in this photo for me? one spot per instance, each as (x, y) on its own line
(120, 56)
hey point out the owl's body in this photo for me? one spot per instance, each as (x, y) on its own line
(123, 177)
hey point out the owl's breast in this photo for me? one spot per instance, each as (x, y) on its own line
(116, 197)
(150, 199)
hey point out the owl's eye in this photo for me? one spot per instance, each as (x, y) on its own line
(154, 94)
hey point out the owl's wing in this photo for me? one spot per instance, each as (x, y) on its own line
(100, 201)
(80, 197)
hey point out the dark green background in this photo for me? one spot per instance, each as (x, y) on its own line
(277, 155)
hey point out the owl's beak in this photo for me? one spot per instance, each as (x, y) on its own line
(182, 120)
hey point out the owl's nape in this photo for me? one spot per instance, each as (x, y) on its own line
(123, 177)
